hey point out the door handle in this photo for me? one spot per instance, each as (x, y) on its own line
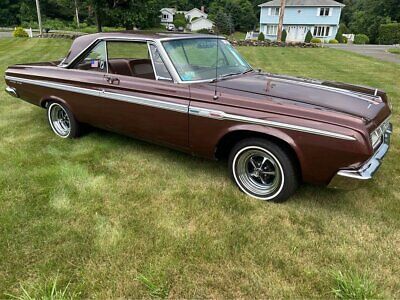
(111, 79)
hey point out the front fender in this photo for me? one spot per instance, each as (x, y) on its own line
(267, 131)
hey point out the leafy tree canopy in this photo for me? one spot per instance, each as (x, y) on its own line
(358, 16)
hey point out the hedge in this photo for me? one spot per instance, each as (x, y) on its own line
(361, 39)
(316, 41)
(389, 34)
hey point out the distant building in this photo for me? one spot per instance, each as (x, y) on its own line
(321, 17)
(197, 18)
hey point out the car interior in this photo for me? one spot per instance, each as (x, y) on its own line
(124, 58)
(131, 67)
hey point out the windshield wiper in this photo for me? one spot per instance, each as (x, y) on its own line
(231, 74)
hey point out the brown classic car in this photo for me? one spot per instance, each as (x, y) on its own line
(197, 94)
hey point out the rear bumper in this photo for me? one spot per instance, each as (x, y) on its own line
(12, 91)
(350, 179)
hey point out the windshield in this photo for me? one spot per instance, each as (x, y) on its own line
(196, 59)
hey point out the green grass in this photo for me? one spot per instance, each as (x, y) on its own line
(394, 50)
(110, 216)
(354, 286)
(237, 36)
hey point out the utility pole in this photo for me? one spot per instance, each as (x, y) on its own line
(77, 13)
(281, 15)
(39, 17)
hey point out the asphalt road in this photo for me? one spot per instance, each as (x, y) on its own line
(376, 51)
(5, 34)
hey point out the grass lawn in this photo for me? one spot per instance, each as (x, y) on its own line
(108, 216)
(237, 36)
(394, 50)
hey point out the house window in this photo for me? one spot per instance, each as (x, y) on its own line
(324, 11)
(321, 31)
(165, 16)
(272, 29)
(274, 11)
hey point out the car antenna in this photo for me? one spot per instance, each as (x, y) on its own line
(216, 68)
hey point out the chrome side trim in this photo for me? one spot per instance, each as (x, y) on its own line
(197, 111)
(104, 94)
(220, 115)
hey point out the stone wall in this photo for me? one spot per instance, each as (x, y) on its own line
(249, 43)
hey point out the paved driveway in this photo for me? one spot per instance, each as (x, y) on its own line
(5, 34)
(376, 51)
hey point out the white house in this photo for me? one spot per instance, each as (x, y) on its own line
(167, 15)
(197, 18)
(320, 17)
(200, 23)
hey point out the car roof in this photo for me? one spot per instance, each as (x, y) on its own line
(81, 43)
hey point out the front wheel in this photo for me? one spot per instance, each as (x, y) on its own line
(263, 170)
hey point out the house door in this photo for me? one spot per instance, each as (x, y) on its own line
(301, 33)
(296, 33)
(291, 33)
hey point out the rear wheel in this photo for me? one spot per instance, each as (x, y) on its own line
(263, 170)
(62, 121)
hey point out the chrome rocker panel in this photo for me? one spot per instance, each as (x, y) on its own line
(350, 179)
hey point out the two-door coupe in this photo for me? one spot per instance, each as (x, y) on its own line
(197, 94)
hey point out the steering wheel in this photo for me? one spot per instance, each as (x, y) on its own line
(220, 60)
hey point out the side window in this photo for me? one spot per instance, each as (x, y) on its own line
(95, 60)
(128, 50)
(129, 59)
(159, 66)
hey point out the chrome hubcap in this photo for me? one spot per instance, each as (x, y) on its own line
(59, 120)
(258, 172)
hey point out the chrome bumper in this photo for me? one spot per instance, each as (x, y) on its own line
(350, 179)
(11, 91)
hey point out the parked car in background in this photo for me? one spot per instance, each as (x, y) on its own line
(173, 89)
(170, 27)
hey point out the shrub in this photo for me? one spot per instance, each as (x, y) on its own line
(180, 20)
(333, 41)
(54, 24)
(389, 34)
(261, 37)
(361, 39)
(308, 37)
(284, 35)
(344, 39)
(316, 41)
(203, 31)
(20, 32)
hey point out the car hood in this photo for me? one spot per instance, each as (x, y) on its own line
(354, 100)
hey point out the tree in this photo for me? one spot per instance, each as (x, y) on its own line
(98, 7)
(223, 23)
(241, 12)
(39, 17)
(180, 20)
(281, 16)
